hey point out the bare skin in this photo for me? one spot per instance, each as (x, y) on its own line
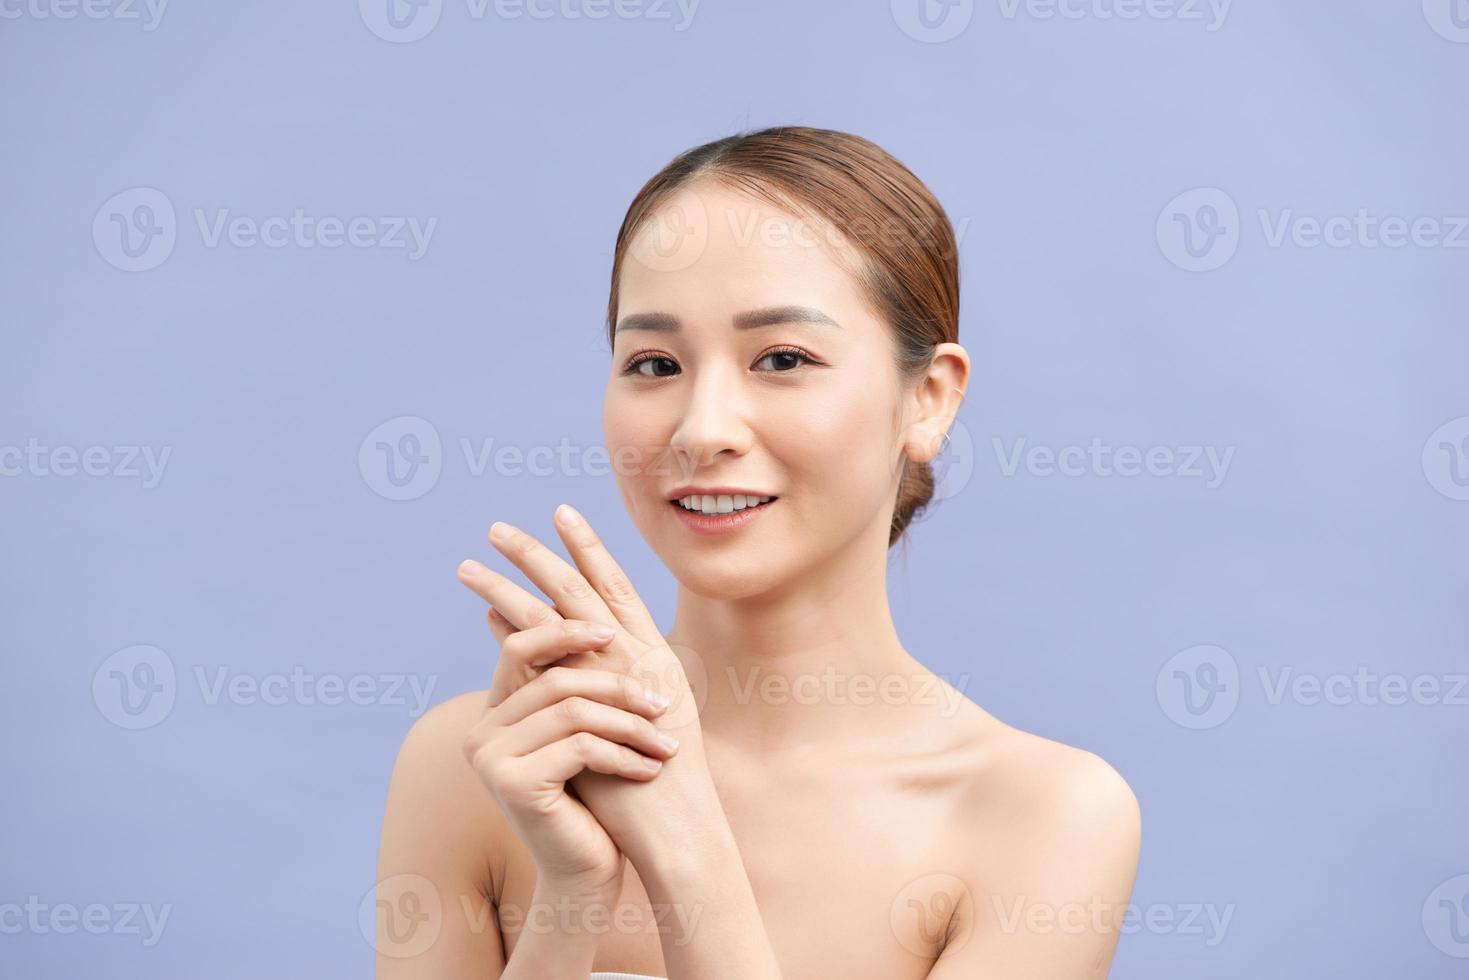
(885, 825)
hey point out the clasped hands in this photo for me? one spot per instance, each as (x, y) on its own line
(643, 818)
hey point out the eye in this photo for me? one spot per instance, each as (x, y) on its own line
(635, 366)
(786, 356)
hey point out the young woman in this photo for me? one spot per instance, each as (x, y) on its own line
(783, 320)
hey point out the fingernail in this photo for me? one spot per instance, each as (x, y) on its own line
(567, 516)
(469, 566)
(601, 631)
(655, 699)
(667, 741)
(652, 763)
(499, 530)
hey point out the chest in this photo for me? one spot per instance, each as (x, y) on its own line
(847, 873)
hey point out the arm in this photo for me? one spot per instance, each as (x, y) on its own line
(1051, 906)
(433, 920)
(678, 838)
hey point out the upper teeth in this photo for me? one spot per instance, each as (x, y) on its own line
(722, 504)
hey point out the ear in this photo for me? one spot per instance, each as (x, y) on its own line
(935, 401)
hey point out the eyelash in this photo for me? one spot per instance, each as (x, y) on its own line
(632, 365)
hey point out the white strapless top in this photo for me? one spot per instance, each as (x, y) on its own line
(624, 976)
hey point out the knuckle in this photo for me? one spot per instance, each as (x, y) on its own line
(576, 587)
(558, 680)
(524, 545)
(585, 744)
(620, 589)
(574, 709)
(540, 616)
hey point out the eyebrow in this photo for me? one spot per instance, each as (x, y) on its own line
(749, 320)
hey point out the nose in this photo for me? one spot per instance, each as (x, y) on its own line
(713, 426)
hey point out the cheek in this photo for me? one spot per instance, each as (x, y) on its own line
(634, 439)
(841, 450)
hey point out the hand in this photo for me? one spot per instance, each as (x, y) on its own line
(529, 744)
(597, 591)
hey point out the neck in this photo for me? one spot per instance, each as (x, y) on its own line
(800, 663)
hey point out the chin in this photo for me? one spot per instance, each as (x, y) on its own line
(714, 576)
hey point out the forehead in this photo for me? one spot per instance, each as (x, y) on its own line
(710, 248)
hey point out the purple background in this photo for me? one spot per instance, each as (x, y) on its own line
(1334, 542)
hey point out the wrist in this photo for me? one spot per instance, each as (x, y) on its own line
(670, 855)
(560, 922)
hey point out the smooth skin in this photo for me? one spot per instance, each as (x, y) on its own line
(833, 808)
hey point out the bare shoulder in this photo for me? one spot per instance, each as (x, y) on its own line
(437, 807)
(1037, 793)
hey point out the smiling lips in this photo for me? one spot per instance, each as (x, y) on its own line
(722, 503)
(720, 513)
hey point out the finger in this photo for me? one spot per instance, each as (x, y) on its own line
(559, 683)
(499, 625)
(560, 761)
(564, 584)
(549, 642)
(519, 607)
(605, 575)
(577, 714)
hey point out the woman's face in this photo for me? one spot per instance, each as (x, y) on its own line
(746, 357)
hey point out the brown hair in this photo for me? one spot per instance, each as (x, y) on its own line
(909, 263)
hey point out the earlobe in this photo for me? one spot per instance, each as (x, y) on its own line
(924, 442)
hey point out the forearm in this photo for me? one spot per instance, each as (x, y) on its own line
(557, 935)
(714, 930)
